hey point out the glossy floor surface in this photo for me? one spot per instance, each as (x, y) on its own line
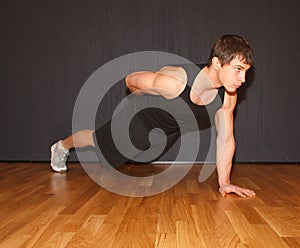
(40, 208)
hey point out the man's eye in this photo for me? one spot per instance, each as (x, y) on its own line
(237, 69)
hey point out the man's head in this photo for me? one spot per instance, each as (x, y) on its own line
(230, 59)
(229, 47)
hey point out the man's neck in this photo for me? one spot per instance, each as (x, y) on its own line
(211, 74)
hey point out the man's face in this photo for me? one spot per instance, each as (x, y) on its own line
(233, 75)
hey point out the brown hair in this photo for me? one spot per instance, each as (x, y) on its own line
(228, 47)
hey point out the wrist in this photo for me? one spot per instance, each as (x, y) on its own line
(224, 182)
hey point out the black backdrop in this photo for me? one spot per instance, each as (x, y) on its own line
(50, 48)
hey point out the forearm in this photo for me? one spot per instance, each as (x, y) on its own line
(225, 152)
(226, 148)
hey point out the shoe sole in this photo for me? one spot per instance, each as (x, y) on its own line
(61, 170)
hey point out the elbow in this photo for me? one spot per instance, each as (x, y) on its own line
(130, 83)
(227, 141)
(128, 80)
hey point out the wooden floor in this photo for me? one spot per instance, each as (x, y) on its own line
(39, 208)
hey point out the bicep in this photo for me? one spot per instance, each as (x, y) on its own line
(224, 116)
(166, 82)
(224, 123)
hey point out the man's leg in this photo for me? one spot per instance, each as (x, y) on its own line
(60, 150)
(80, 139)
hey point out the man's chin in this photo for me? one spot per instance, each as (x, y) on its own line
(231, 89)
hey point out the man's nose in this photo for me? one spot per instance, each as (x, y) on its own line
(242, 77)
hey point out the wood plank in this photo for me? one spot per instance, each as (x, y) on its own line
(40, 208)
(85, 234)
(58, 240)
(166, 240)
(283, 220)
(186, 235)
(35, 228)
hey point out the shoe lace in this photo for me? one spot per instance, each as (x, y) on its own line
(62, 156)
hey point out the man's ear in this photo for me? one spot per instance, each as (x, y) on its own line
(216, 63)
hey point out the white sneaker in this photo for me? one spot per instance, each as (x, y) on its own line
(59, 156)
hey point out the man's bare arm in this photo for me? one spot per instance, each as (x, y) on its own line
(226, 147)
(167, 82)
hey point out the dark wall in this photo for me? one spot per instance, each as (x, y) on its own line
(50, 48)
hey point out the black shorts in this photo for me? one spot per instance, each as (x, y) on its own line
(138, 133)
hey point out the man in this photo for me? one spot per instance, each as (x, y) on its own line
(230, 58)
